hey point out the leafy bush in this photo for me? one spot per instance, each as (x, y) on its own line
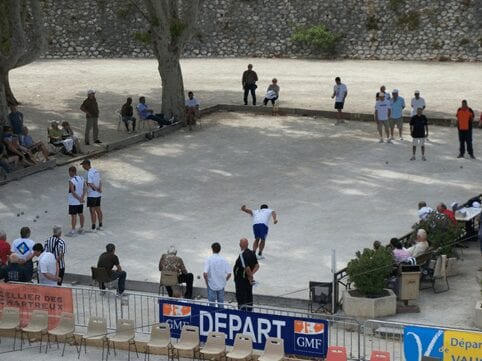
(370, 271)
(441, 232)
(318, 36)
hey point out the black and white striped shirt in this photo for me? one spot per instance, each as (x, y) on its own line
(56, 246)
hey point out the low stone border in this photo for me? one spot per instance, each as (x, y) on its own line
(20, 173)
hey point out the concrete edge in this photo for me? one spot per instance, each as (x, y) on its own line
(198, 292)
(21, 173)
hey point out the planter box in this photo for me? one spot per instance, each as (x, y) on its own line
(369, 307)
(478, 314)
(452, 267)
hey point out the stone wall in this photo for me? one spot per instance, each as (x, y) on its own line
(370, 29)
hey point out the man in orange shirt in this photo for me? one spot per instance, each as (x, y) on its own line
(465, 116)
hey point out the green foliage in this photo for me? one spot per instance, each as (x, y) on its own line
(370, 271)
(441, 232)
(177, 27)
(372, 23)
(396, 5)
(143, 37)
(318, 36)
(409, 20)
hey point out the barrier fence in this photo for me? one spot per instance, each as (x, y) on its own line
(359, 338)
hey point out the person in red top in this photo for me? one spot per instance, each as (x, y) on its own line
(465, 116)
(442, 208)
(4, 249)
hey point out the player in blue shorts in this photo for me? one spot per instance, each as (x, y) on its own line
(261, 218)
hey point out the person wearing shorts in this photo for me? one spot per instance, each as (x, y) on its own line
(94, 192)
(419, 131)
(75, 198)
(382, 114)
(397, 104)
(340, 92)
(261, 219)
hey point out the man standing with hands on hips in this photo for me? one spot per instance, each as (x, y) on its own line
(91, 110)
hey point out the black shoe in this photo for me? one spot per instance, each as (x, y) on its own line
(98, 141)
(472, 156)
(460, 156)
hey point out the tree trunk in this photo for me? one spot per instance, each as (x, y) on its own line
(3, 109)
(172, 85)
(11, 100)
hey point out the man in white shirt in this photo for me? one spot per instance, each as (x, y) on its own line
(75, 198)
(94, 193)
(48, 270)
(261, 219)
(421, 244)
(417, 102)
(192, 109)
(216, 273)
(382, 114)
(340, 92)
(23, 248)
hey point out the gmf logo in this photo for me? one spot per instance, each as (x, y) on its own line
(309, 328)
(171, 310)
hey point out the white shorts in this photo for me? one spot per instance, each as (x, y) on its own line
(417, 141)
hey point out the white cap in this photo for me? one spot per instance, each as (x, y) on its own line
(395, 91)
(476, 204)
(90, 91)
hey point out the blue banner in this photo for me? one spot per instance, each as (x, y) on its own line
(302, 336)
(422, 341)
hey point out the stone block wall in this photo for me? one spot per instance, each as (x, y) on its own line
(370, 29)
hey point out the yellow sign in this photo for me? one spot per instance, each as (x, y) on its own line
(462, 346)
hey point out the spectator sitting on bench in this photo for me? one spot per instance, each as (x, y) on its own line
(16, 120)
(7, 163)
(27, 141)
(68, 133)
(399, 253)
(12, 144)
(421, 244)
(127, 114)
(55, 138)
(145, 112)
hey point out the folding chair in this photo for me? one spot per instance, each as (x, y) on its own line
(215, 346)
(168, 279)
(242, 349)
(160, 338)
(39, 323)
(10, 321)
(336, 353)
(96, 331)
(435, 273)
(321, 294)
(65, 330)
(189, 341)
(273, 350)
(100, 275)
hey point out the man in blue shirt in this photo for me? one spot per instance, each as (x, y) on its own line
(398, 104)
(145, 112)
(16, 120)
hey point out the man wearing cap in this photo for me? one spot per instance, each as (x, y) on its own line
(417, 102)
(382, 114)
(397, 104)
(248, 81)
(172, 263)
(465, 116)
(91, 110)
(340, 92)
(94, 193)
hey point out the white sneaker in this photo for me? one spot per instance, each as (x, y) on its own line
(100, 228)
(380, 141)
(71, 233)
(259, 256)
(81, 231)
(401, 139)
(389, 140)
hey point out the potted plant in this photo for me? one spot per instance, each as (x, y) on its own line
(442, 234)
(369, 271)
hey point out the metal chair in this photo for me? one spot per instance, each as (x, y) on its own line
(436, 272)
(101, 276)
(160, 338)
(39, 323)
(274, 350)
(10, 321)
(125, 333)
(65, 330)
(242, 349)
(96, 331)
(189, 341)
(215, 346)
(321, 294)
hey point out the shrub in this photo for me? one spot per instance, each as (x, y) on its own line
(441, 232)
(318, 36)
(370, 271)
(372, 22)
(410, 20)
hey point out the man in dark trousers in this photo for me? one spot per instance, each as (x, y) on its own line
(108, 260)
(419, 132)
(91, 110)
(249, 84)
(244, 269)
(465, 116)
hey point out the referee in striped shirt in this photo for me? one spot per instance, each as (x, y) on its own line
(56, 246)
